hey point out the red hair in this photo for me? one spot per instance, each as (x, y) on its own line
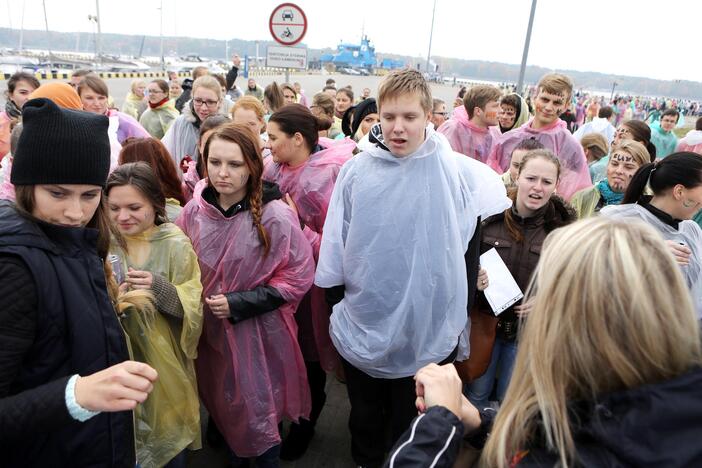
(152, 152)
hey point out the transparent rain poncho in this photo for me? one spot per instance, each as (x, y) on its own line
(585, 202)
(310, 186)
(158, 120)
(169, 420)
(467, 138)
(689, 234)
(395, 235)
(251, 375)
(556, 137)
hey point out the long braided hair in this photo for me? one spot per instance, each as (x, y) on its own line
(248, 142)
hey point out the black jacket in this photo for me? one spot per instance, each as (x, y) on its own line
(520, 257)
(656, 425)
(56, 320)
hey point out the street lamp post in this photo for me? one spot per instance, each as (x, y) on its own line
(614, 85)
(163, 61)
(431, 35)
(99, 30)
(522, 69)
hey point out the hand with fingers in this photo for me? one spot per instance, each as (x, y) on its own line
(523, 309)
(441, 386)
(117, 388)
(218, 305)
(681, 252)
(483, 280)
(137, 279)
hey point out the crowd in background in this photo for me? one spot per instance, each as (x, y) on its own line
(235, 248)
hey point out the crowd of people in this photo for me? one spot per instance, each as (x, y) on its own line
(230, 249)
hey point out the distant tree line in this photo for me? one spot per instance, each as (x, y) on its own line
(121, 44)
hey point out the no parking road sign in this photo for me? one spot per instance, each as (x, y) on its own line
(288, 24)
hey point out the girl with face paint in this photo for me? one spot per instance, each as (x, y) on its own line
(473, 128)
(626, 158)
(517, 234)
(554, 95)
(635, 130)
(676, 183)
(157, 257)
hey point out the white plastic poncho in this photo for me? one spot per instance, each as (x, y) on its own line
(689, 233)
(395, 235)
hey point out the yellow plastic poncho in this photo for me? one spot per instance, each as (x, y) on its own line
(134, 105)
(169, 420)
(157, 121)
(585, 201)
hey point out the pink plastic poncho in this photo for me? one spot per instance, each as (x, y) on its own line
(7, 189)
(556, 137)
(251, 375)
(4, 134)
(310, 186)
(467, 138)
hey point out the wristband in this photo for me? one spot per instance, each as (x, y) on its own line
(76, 411)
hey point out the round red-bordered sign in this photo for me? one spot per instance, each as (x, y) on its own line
(288, 24)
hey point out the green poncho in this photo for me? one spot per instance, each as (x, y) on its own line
(169, 420)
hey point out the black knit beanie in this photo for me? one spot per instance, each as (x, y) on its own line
(365, 107)
(61, 146)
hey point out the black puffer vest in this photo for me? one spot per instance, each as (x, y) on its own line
(77, 332)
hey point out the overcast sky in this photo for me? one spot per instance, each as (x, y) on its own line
(630, 37)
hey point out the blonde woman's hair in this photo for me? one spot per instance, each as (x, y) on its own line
(208, 82)
(611, 311)
(249, 103)
(136, 83)
(596, 143)
(634, 149)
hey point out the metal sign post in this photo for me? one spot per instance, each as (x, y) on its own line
(288, 25)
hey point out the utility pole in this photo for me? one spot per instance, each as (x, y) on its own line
(522, 70)
(21, 39)
(614, 85)
(163, 61)
(431, 34)
(46, 24)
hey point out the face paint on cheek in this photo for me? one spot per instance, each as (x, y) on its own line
(491, 114)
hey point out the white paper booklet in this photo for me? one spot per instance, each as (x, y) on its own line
(502, 290)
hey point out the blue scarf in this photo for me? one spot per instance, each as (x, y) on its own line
(610, 196)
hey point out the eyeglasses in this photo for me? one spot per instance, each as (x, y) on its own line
(206, 102)
(622, 131)
(155, 91)
(443, 114)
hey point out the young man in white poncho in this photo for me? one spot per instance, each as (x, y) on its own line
(400, 221)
